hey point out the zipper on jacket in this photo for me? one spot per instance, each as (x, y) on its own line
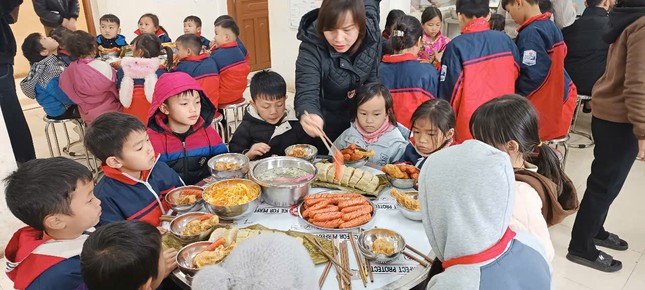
(183, 143)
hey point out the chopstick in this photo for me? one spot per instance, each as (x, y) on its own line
(328, 143)
(338, 274)
(421, 262)
(345, 259)
(367, 262)
(331, 259)
(361, 266)
(419, 253)
(323, 277)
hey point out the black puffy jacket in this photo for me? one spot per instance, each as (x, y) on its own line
(7, 40)
(52, 12)
(324, 77)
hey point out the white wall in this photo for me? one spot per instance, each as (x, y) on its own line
(284, 45)
(171, 14)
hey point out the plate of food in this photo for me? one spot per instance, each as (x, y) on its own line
(358, 180)
(195, 256)
(336, 211)
(408, 203)
(401, 175)
(228, 166)
(355, 156)
(193, 226)
(184, 198)
(231, 199)
(304, 151)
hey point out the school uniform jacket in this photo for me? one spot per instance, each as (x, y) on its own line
(42, 84)
(205, 42)
(543, 79)
(35, 261)
(477, 66)
(163, 36)
(118, 41)
(124, 197)
(139, 105)
(205, 71)
(233, 70)
(410, 83)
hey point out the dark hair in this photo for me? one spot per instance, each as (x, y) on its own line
(191, 41)
(542, 3)
(31, 48)
(545, 6)
(513, 118)
(439, 112)
(42, 187)
(368, 92)
(268, 85)
(474, 8)
(111, 18)
(412, 31)
(193, 18)
(150, 46)
(225, 17)
(430, 13)
(497, 22)
(331, 13)
(593, 3)
(80, 44)
(229, 24)
(121, 255)
(155, 21)
(391, 19)
(60, 34)
(106, 135)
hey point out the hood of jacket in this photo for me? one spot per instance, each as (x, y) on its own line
(87, 81)
(172, 84)
(307, 29)
(467, 198)
(41, 73)
(622, 15)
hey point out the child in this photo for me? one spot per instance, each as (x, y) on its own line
(138, 74)
(54, 198)
(410, 82)
(392, 17)
(198, 65)
(477, 65)
(126, 255)
(88, 82)
(179, 126)
(542, 78)
(193, 25)
(110, 36)
(433, 42)
(149, 23)
(269, 127)
(61, 34)
(497, 22)
(135, 184)
(547, 195)
(233, 65)
(245, 52)
(470, 187)
(433, 128)
(374, 125)
(43, 78)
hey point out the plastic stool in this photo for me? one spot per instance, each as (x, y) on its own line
(560, 142)
(234, 108)
(572, 130)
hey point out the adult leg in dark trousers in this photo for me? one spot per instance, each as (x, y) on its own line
(614, 154)
(14, 119)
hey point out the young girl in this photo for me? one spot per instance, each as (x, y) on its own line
(374, 125)
(138, 75)
(546, 195)
(433, 127)
(149, 23)
(434, 43)
(89, 82)
(392, 17)
(410, 82)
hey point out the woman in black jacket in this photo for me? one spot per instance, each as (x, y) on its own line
(55, 13)
(340, 49)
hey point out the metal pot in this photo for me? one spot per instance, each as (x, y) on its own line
(232, 212)
(284, 194)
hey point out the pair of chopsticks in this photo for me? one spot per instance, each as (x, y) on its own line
(332, 260)
(344, 258)
(328, 143)
(428, 260)
(359, 259)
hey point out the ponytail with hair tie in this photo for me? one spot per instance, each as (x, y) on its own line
(398, 33)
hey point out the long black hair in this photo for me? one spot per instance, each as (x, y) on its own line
(150, 46)
(371, 90)
(392, 17)
(440, 114)
(513, 118)
(405, 33)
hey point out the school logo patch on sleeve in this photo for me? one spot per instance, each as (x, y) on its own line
(444, 69)
(529, 58)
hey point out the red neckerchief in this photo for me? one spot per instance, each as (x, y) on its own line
(490, 253)
(195, 57)
(119, 176)
(63, 51)
(225, 45)
(391, 58)
(543, 16)
(476, 25)
(199, 34)
(159, 32)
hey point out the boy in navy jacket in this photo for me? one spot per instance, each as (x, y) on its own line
(135, 184)
(198, 65)
(233, 64)
(193, 25)
(110, 36)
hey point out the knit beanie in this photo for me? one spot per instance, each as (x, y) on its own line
(265, 262)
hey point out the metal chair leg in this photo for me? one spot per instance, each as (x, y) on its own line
(49, 142)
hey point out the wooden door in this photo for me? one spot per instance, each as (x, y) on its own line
(252, 16)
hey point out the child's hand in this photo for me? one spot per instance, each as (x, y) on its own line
(258, 149)
(170, 259)
(312, 124)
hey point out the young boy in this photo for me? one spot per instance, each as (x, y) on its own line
(110, 36)
(42, 81)
(126, 255)
(198, 65)
(135, 183)
(485, 253)
(245, 52)
(233, 66)
(60, 34)
(54, 198)
(179, 126)
(193, 25)
(543, 79)
(473, 62)
(268, 127)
